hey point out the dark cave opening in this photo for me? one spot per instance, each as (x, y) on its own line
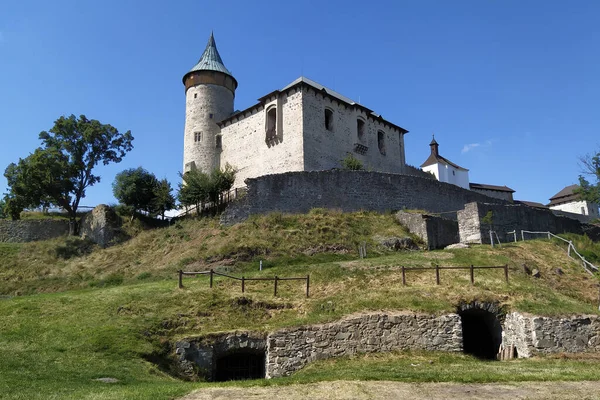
(482, 333)
(240, 365)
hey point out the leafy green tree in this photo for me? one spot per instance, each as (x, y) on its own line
(163, 197)
(352, 163)
(134, 188)
(59, 172)
(3, 213)
(590, 191)
(199, 188)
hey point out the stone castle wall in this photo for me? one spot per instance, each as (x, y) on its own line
(32, 230)
(298, 192)
(437, 232)
(325, 149)
(245, 145)
(507, 218)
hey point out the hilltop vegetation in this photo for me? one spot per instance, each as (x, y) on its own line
(111, 310)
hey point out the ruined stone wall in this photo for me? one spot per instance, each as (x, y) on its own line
(32, 230)
(298, 192)
(245, 145)
(507, 218)
(324, 149)
(532, 334)
(437, 232)
(291, 349)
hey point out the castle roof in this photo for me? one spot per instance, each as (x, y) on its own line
(484, 186)
(566, 195)
(210, 60)
(435, 157)
(305, 82)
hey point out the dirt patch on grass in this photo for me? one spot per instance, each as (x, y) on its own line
(400, 390)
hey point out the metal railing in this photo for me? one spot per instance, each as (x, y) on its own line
(587, 266)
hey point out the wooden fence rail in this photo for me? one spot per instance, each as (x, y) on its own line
(437, 270)
(211, 273)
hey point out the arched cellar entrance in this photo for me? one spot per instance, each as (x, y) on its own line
(240, 365)
(482, 332)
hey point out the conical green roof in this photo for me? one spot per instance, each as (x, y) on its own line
(211, 59)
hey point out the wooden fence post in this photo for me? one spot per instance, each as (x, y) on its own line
(472, 275)
(506, 272)
(243, 284)
(211, 277)
(437, 274)
(307, 285)
(180, 279)
(403, 276)
(276, 278)
(522, 236)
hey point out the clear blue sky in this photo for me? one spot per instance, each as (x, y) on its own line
(511, 89)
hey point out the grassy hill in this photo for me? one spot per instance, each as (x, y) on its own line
(71, 313)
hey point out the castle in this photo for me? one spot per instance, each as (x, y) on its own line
(302, 127)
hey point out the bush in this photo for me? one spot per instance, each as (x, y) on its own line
(351, 163)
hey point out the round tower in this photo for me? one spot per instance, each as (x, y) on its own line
(209, 93)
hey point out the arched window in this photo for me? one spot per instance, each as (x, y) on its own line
(381, 142)
(360, 129)
(271, 128)
(329, 119)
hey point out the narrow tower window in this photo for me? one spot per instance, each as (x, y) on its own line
(195, 95)
(381, 142)
(271, 127)
(360, 129)
(219, 142)
(197, 137)
(329, 119)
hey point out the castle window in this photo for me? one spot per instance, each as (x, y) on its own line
(381, 142)
(271, 128)
(197, 137)
(219, 142)
(210, 116)
(360, 129)
(329, 119)
(195, 95)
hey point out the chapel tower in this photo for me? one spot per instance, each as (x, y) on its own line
(209, 93)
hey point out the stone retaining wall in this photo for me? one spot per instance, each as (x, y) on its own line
(299, 192)
(437, 232)
(531, 334)
(32, 230)
(291, 349)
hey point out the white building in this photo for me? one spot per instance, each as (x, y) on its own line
(302, 127)
(567, 200)
(444, 169)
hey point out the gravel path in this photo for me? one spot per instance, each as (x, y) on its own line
(359, 390)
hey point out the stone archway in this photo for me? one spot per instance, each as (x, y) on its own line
(481, 329)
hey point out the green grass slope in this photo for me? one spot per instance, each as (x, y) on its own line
(104, 313)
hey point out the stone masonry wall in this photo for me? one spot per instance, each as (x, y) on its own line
(325, 149)
(533, 335)
(507, 218)
(291, 349)
(32, 230)
(298, 192)
(437, 232)
(245, 146)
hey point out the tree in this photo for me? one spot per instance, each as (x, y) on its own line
(591, 166)
(3, 213)
(134, 188)
(59, 172)
(163, 197)
(352, 163)
(199, 188)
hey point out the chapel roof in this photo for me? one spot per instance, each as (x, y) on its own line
(566, 195)
(435, 157)
(483, 186)
(210, 60)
